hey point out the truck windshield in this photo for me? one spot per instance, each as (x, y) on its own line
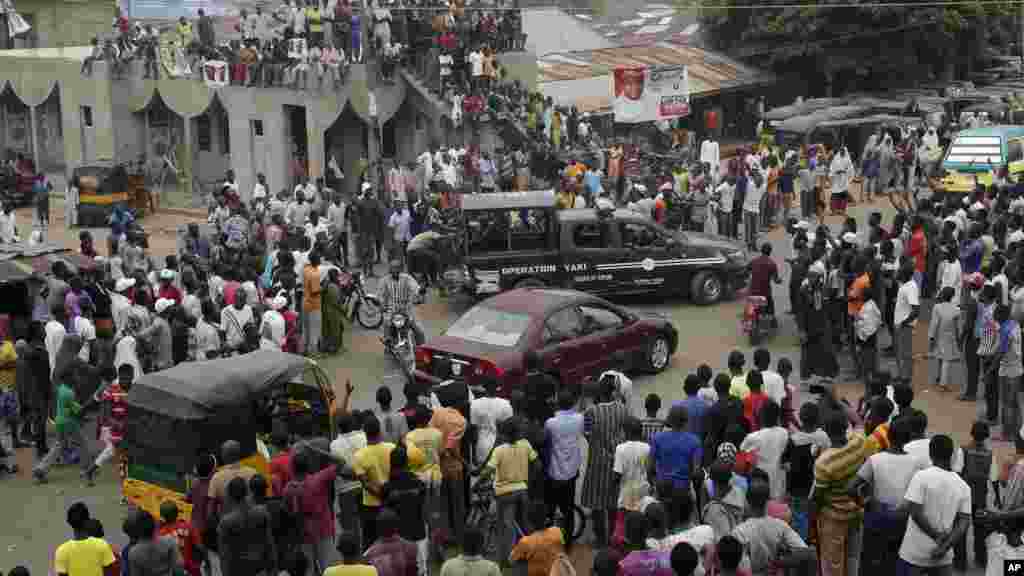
(492, 327)
(976, 150)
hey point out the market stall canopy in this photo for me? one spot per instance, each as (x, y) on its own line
(20, 261)
(796, 109)
(805, 124)
(197, 390)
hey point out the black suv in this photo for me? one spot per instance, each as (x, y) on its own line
(516, 244)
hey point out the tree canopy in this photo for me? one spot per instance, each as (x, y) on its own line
(877, 43)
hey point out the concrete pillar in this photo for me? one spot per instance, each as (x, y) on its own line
(374, 154)
(103, 113)
(185, 159)
(34, 134)
(241, 150)
(278, 170)
(71, 122)
(314, 143)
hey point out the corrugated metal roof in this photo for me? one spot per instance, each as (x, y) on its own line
(709, 72)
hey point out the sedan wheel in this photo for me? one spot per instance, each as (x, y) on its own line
(658, 354)
(706, 288)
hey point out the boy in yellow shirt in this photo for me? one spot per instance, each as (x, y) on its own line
(510, 463)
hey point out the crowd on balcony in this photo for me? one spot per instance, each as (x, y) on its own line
(308, 44)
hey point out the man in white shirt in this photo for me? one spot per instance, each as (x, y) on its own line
(234, 319)
(908, 306)
(8, 226)
(476, 64)
(259, 191)
(400, 224)
(485, 413)
(939, 502)
(54, 334)
(726, 192)
(84, 328)
(752, 206)
(337, 221)
(773, 384)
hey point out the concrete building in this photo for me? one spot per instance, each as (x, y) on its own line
(50, 112)
(51, 22)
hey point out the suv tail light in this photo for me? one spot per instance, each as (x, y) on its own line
(486, 368)
(423, 358)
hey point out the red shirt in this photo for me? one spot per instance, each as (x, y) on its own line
(280, 472)
(752, 408)
(116, 397)
(170, 292)
(919, 250)
(187, 540)
(310, 497)
(762, 270)
(230, 287)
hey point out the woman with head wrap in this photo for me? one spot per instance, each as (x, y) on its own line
(273, 329)
(887, 165)
(817, 355)
(333, 313)
(126, 351)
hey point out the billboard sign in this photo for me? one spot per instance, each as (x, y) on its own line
(646, 94)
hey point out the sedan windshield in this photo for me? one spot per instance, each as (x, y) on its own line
(489, 326)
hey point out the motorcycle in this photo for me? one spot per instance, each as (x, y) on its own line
(364, 308)
(757, 322)
(400, 343)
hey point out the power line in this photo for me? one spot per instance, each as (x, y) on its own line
(816, 6)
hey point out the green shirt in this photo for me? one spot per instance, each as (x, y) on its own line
(68, 410)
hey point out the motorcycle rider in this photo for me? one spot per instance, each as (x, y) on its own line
(763, 272)
(399, 293)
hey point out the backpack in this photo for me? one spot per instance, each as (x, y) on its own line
(562, 566)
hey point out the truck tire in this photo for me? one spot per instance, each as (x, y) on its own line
(530, 283)
(706, 288)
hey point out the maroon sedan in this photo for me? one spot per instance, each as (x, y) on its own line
(577, 336)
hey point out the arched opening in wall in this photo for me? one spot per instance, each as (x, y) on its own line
(16, 144)
(164, 149)
(212, 151)
(297, 142)
(15, 128)
(345, 145)
(50, 131)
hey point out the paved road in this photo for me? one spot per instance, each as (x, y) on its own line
(708, 334)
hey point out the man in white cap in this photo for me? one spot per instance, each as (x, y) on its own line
(273, 328)
(120, 303)
(817, 358)
(167, 289)
(158, 335)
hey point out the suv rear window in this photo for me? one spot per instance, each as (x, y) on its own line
(507, 230)
(491, 327)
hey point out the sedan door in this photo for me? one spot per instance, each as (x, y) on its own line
(560, 350)
(614, 336)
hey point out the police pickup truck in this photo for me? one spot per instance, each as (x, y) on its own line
(519, 239)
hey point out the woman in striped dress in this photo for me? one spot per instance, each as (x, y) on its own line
(602, 426)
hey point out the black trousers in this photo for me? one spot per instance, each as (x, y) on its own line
(561, 495)
(990, 380)
(368, 520)
(973, 366)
